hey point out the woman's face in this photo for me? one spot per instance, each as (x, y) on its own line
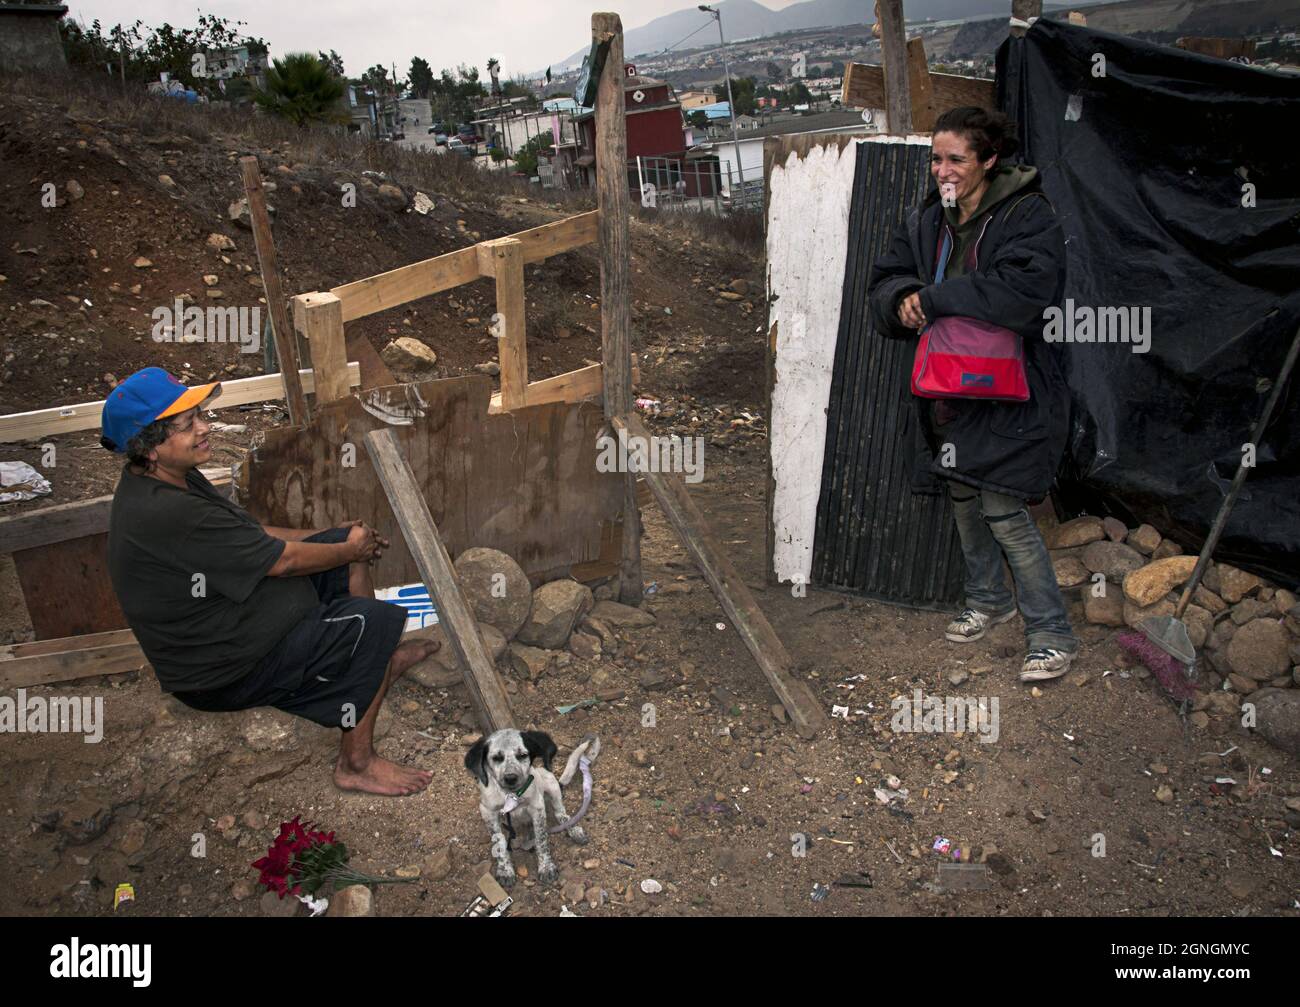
(955, 167)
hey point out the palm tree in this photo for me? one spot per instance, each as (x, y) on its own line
(302, 89)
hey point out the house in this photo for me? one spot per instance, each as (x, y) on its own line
(655, 126)
(247, 60)
(29, 37)
(692, 100)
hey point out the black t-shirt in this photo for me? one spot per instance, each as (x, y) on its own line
(189, 568)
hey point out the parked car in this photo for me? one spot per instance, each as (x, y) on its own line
(439, 137)
(467, 135)
(456, 146)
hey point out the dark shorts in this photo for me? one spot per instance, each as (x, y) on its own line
(329, 667)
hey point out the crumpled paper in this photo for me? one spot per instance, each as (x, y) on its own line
(19, 481)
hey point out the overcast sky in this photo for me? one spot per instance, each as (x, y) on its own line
(526, 35)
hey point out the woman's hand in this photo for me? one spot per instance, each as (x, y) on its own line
(910, 312)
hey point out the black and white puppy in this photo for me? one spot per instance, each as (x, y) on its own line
(509, 783)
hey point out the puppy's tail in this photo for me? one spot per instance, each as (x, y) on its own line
(589, 747)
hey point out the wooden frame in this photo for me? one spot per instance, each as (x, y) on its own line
(87, 415)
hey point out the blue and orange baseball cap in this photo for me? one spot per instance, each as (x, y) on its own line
(147, 395)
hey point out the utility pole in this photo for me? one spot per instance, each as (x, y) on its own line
(731, 102)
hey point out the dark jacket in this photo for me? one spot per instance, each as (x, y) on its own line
(1009, 447)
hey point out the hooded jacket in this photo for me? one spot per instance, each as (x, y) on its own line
(1011, 268)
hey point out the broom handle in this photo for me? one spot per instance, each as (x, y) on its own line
(1221, 519)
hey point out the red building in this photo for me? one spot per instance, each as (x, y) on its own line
(655, 126)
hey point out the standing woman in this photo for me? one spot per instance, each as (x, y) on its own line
(985, 245)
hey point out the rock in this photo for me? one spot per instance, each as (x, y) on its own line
(584, 646)
(1164, 794)
(220, 243)
(268, 730)
(1259, 650)
(556, 609)
(1208, 600)
(439, 866)
(253, 820)
(530, 662)
(1235, 584)
(1199, 623)
(496, 587)
(491, 368)
(621, 616)
(241, 890)
(640, 757)
(1224, 631)
(653, 679)
(1070, 572)
(1250, 608)
(608, 641)
(408, 354)
(272, 905)
(1200, 720)
(1108, 610)
(74, 190)
(1115, 528)
(167, 181)
(1277, 718)
(1284, 601)
(573, 891)
(1242, 684)
(409, 871)
(391, 197)
(779, 714)
(133, 837)
(1155, 580)
(729, 295)
(1223, 704)
(354, 900)
(443, 670)
(211, 279)
(739, 286)
(1166, 549)
(142, 263)
(957, 676)
(1144, 539)
(1080, 531)
(1135, 614)
(1114, 559)
(1281, 682)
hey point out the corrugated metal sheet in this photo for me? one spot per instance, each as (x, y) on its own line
(874, 536)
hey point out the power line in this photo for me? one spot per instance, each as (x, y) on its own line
(680, 41)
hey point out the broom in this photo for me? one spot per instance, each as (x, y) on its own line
(1162, 643)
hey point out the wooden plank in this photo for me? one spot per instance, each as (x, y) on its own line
(36, 528)
(374, 372)
(67, 588)
(443, 272)
(615, 274)
(24, 665)
(733, 595)
(864, 87)
(893, 57)
(319, 318)
(918, 82)
(454, 612)
(583, 385)
(286, 348)
(87, 415)
(407, 283)
(504, 260)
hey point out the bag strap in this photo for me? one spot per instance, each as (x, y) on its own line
(1027, 195)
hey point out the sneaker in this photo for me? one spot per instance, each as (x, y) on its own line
(971, 625)
(1044, 663)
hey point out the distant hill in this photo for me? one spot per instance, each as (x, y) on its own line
(749, 19)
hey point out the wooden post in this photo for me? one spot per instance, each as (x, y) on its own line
(919, 86)
(439, 576)
(503, 259)
(285, 347)
(615, 275)
(319, 318)
(754, 629)
(893, 57)
(1024, 10)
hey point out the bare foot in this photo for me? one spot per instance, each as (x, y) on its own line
(379, 776)
(410, 653)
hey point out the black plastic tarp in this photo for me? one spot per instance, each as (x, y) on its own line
(1150, 167)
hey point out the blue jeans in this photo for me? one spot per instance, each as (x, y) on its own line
(991, 525)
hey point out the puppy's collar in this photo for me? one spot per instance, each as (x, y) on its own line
(512, 801)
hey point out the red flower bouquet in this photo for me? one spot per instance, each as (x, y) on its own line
(303, 860)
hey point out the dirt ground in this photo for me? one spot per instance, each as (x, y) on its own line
(714, 801)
